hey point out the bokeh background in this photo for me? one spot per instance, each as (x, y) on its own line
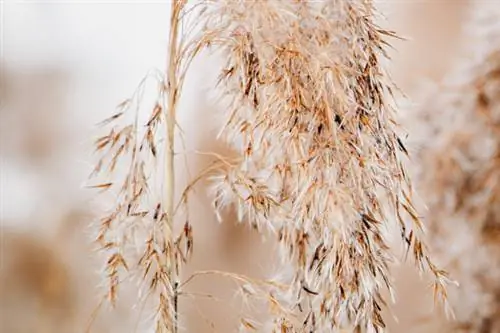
(65, 66)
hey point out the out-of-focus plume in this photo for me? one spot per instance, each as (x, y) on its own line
(460, 172)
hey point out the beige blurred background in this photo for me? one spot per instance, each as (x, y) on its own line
(65, 66)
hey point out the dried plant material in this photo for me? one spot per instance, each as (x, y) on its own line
(309, 112)
(460, 175)
(138, 233)
(319, 164)
(138, 213)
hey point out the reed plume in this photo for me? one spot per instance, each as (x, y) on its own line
(460, 173)
(309, 113)
(319, 164)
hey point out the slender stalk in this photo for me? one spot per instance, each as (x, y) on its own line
(172, 88)
(170, 117)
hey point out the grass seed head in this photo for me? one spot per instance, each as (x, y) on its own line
(309, 111)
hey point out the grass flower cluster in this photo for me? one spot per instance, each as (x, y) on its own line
(319, 164)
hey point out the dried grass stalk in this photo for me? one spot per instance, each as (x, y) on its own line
(460, 174)
(138, 233)
(310, 115)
